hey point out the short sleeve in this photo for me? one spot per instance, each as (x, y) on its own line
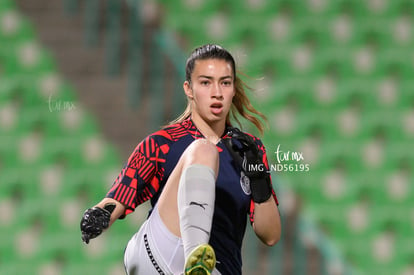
(139, 180)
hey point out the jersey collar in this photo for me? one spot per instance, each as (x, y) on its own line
(192, 129)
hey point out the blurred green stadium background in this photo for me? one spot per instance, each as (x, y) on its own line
(81, 82)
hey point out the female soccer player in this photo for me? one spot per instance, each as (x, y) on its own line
(197, 174)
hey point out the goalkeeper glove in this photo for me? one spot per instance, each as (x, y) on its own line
(247, 155)
(95, 220)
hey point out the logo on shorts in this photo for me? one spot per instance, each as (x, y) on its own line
(245, 183)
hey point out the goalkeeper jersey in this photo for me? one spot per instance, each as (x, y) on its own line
(149, 166)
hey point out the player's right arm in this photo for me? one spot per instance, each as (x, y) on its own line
(117, 212)
(136, 183)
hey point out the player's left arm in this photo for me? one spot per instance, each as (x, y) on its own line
(250, 154)
(266, 224)
(265, 217)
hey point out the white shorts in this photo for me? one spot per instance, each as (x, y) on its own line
(154, 250)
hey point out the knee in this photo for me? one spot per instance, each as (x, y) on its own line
(202, 151)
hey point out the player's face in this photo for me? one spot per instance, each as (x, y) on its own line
(211, 90)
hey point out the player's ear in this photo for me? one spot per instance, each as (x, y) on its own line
(187, 89)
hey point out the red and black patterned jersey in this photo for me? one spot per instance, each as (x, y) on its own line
(152, 162)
